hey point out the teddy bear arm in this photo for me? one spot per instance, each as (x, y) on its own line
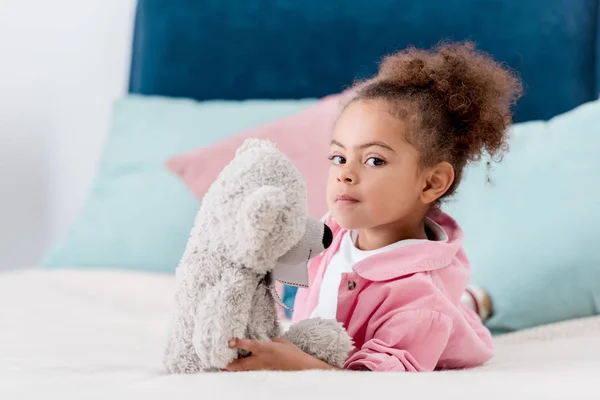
(253, 234)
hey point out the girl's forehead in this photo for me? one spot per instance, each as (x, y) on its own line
(368, 121)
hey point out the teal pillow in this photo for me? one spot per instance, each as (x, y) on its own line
(138, 214)
(532, 232)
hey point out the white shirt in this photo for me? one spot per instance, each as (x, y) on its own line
(345, 258)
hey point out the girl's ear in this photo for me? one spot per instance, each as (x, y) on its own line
(438, 180)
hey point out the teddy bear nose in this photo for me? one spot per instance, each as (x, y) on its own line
(327, 237)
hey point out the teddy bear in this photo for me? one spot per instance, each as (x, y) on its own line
(253, 219)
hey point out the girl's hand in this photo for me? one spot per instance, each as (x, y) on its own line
(278, 355)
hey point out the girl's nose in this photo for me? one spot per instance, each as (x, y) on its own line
(347, 176)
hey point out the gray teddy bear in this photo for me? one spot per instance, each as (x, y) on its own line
(253, 218)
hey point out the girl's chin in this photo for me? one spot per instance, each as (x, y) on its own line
(347, 222)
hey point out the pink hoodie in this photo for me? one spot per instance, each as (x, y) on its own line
(402, 307)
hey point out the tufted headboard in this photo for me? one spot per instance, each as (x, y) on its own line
(275, 49)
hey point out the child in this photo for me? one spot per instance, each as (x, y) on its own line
(396, 270)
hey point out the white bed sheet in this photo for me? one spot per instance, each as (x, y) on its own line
(98, 333)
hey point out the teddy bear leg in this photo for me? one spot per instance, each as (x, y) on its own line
(325, 339)
(223, 315)
(183, 361)
(180, 356)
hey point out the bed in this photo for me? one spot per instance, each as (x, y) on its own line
(86, 327)
(99, 334)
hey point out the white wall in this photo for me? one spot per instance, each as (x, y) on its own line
(62, 64)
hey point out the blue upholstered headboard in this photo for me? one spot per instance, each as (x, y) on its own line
(215, 49)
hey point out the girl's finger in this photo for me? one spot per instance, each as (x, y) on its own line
(244, 364)
(253, 346)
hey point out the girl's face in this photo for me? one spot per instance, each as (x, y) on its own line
(374, 178)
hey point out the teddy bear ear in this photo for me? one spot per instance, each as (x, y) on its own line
(254, 143)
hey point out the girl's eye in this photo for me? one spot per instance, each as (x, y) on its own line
(375, 162)
(337, 159)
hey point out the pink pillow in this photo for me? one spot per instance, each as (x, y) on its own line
(304, 137)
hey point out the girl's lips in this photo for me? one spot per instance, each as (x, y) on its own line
(344, 199)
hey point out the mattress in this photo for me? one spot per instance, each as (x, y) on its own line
(100, 333)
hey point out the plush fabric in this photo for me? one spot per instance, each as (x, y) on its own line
(252, 216)
(532, 231)
(304, 137)
(209, 49)
(138, 214)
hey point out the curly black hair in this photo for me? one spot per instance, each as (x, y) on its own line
(457, 101)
